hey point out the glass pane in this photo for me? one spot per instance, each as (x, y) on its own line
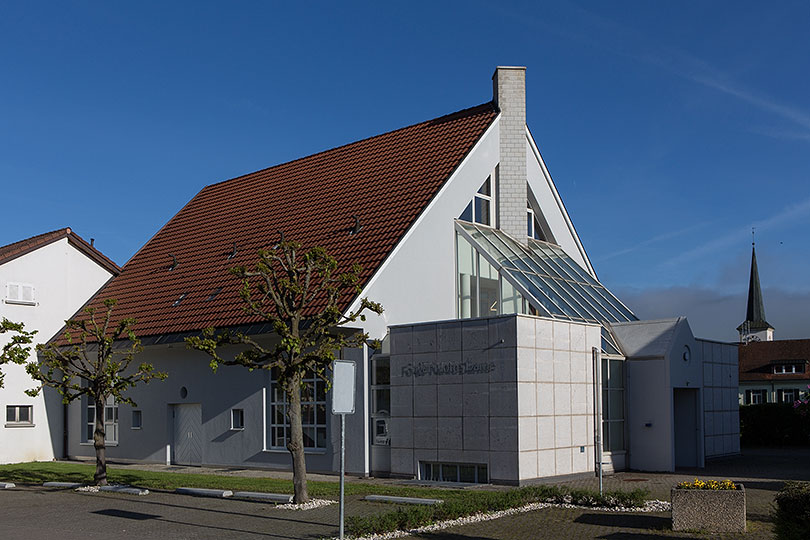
(279, 436)
(320, 391)
(482, 211)
(605, 373)
(449, 473)
(616, 436)
(89, 432)
(108, 414)
(538, 232)
(309, 437)
(616, 404)
(511, 300)
(487, 288)
(382, 371)
(321, 432)
(435, 472)
(467, 287)
(466, 473)
(91, 414)
(25, 414)
(136, 419)
(466, 215)
(11, 414)
(307, 414)
(308, 392)
(486, 187)
(482, 474)
(320, 411)
(530, 224)
(278, 415)
(616, 379)
(382, 401)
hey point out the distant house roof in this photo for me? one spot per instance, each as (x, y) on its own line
(386, 181)
(757, 359)
(18, 249)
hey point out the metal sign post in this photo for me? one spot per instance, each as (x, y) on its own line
(343, 377)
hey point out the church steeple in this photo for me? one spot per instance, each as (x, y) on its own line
(755, 327)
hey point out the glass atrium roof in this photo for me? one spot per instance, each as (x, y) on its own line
(552, 282)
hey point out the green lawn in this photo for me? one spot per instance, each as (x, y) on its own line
(39, 472)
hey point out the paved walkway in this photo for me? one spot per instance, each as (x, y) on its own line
(33, 513)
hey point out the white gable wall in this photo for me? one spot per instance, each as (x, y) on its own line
(64, 279)
(416, 282)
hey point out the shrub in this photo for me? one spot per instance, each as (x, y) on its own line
(773, 424)
(793, 511)
(470, 503)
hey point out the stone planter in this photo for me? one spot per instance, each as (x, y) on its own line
(708, 510)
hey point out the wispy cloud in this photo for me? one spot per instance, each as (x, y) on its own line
(787, 216)
(654, 240)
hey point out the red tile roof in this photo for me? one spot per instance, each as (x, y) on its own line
(758, 358)
(18, 249)
(386, 181)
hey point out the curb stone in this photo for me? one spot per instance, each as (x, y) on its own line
(201, 492)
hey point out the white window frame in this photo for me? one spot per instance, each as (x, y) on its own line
(237, 419)
(19, 297)
(474, 217)
(110, 426)
(279, 425)
(16, 422)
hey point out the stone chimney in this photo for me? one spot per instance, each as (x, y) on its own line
(509, 94)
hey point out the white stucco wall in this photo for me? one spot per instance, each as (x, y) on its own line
(64, 278)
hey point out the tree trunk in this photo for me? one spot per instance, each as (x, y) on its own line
(100, 479)
(296, 443)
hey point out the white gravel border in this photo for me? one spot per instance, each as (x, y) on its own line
(649, 506)
(311, 504)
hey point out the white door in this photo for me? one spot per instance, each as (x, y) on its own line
(187, 434)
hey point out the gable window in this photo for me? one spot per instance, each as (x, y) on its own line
(110, 421)
(480, 208)
(534, 230)
(788, 368)
(19, 415)
(237, 419)
(313, 413)
(20, 293)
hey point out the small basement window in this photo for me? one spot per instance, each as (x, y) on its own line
(20, 415)
(469, 473)
(137, 419)
(237, 419)
(20, 293)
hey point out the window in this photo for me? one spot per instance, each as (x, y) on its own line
(454, 472)
(480, 208)
(110, 421)
(482, 291)
(237, 419)
(381, 398)
(20, 415)
(787, 395)
(20, 293)
(612, 404)
(313, 413)
(754, 397)
(534, 229)
(788, 368)
(137, 419)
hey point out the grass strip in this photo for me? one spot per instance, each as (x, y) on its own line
(475, 502)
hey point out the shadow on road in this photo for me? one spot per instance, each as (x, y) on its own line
(626, 521)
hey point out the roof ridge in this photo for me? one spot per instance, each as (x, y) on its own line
(444, 117)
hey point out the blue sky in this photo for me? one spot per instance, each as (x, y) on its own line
(670, 129)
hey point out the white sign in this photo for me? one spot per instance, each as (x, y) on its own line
(343, 378)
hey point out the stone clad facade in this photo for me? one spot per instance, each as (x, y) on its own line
(513, 393)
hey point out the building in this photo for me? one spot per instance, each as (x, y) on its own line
(44, 280)
(495, 323)
(771, 371)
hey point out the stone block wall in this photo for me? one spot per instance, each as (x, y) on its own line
(721, 420)
(509, 392)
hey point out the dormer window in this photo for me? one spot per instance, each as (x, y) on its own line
(480, 208)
